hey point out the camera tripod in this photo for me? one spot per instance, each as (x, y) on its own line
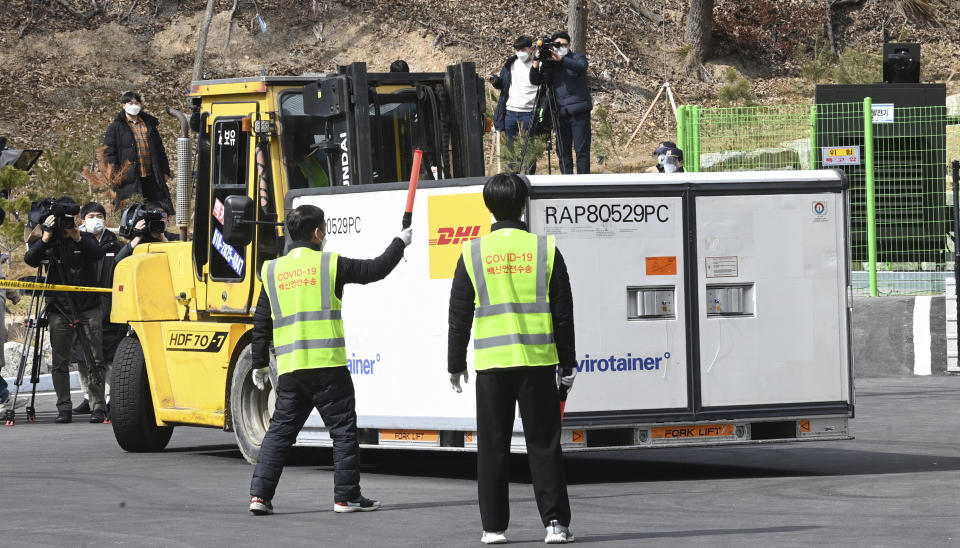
(546, 98)
(37, 321)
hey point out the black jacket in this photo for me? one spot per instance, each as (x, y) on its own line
(111, 245)
(122, 147)
(462, 307)
(569, 79)
(79, 266)
(349, 271)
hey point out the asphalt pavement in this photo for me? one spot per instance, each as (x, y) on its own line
(896, 484)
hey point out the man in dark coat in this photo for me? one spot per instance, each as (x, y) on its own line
(93, 217)
(134, 145)
(72, 257)
(566, 71)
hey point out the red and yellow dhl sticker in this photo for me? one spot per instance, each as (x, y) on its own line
(453, 219)
(449, 235)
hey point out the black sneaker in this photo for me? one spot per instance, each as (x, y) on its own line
(83, 408)
(362, 504)
(260, 506)
(98, 416)
(63, 417)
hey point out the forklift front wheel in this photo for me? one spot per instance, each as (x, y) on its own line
(250, 407)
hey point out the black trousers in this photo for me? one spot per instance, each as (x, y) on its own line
(330, 391)
(574, 134)
(498, 392)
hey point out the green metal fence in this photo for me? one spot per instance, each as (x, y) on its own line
(896, 161)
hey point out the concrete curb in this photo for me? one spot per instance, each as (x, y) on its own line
(45, 384)
(899, 336)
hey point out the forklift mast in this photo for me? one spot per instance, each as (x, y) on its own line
(370, 123)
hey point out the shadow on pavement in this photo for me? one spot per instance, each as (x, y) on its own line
(692, 533)
(677, 464)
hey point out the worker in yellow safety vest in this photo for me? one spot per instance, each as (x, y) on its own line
(512, 287)
(299, 311)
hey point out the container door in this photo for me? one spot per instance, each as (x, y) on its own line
(772, 299)
(229, 270)
(626, 264)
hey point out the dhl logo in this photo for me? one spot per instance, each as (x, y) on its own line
(453, 236)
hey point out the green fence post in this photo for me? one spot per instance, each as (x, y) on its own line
(813, 136)
(871, 202)
(682, 127)
(695, 133)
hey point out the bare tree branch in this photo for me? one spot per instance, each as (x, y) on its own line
(655, 18)
(226, 42)
(129, 11)
(625, 58)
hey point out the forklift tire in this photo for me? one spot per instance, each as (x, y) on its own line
(250, 407)
(131, 406)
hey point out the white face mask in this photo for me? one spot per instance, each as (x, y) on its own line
(94, 225)
(562, 51)
(669, 168)
(132, 110)
(522, 56)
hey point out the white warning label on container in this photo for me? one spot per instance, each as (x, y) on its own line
(606, 217)
(721, 267)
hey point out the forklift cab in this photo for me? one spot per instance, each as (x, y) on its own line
(260, 138)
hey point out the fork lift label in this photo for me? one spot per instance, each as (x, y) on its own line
(692, 431)
(196, 341)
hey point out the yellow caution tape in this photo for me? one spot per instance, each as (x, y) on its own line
(34, 286)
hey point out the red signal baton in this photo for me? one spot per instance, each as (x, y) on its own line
(412, 190)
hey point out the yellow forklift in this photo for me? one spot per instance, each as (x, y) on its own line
(189, 304)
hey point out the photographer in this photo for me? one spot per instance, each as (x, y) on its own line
(143, 223)
(93, 221)
(72, 259)
(566, 72)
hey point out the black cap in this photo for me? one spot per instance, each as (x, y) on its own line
(562, 34)
(663, 146)
(675, 152)
(522, 42)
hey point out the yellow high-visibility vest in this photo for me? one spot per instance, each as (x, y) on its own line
(307, 323)
(512, 326)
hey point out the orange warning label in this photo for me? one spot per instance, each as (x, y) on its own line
(577, 436)
(804, 426)
(661, 266)
(415, 436)
(692, 431)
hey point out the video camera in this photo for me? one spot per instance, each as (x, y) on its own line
(134, 213)
(544, 48)
(64, 214)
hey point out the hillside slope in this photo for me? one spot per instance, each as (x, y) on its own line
(60, 82)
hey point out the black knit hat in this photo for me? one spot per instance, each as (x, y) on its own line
(522, 41)
(92, 206)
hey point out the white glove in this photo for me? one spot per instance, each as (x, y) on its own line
(260, 377)
(406, 236)
(567, 380)
(455, 380)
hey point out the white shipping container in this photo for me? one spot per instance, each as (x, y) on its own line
(709, 308)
